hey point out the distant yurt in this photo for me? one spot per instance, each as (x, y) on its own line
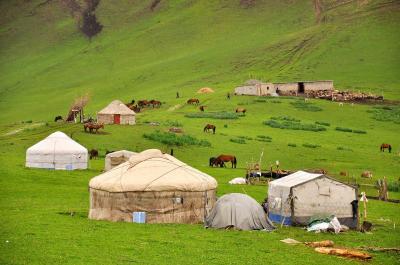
(205, 90)
(238, 211)
(116, 158)
(116, 113)
(300, 196)
(57, 151)
(155, 186)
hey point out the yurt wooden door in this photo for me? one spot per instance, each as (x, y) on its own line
(117, 118)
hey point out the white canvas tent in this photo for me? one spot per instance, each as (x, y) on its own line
(116, 158)
(296, 198)
(57, 151)
(166, 189)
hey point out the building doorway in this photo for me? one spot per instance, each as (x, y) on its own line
(117, 118)
(300, 88)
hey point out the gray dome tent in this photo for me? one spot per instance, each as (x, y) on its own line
(240, 211)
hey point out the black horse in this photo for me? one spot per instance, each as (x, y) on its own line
(213, 161)
(58, 118)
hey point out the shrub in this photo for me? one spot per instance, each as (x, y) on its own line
(394, 186)
(311, 145)
(292, 124)
(225, 125)
(341, 148)
(238, 141)
(323, 123)
(245, 137)
(307, 106)
(214, 115)
(173, 123)
(342, 129)
(359, 131)
(385, 113)
(264, 137)
(292, 145)
(173, 139)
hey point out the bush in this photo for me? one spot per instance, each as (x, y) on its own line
(214, 115)
(264, 137)
(394, 186)
(173, 139)
(292, 145)
(173, 123)
(311, 145)
(289, 123)
(225, 125)
(238, 141)
(342, 129)
(341, 148)
(307, 106)
(386, 113)
(323, 123)
(245, 137)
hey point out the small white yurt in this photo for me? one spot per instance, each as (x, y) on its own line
(57, 151)
(298, 197)
(155, 186)
(116, 158)
(116, 113)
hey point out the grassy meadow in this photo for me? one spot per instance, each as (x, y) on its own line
(181, 46)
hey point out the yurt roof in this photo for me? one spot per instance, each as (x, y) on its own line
(117, 107)
(57, 142)
(121, 153)
(151, 170)
(295, 179)
(205, 90)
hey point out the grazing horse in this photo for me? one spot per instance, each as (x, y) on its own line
(93, 127)
(209, 127)
(242, 110)
(201, 108)
(143, 103)
(155, 103)
(212, 162)
(226, 158)
(93, 154)
(58, 118)
(193, 101)
(384, 146)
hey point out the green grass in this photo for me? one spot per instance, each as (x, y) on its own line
(306, 106)
(289, 123)
(238, 141)
(311, 145)
(343, 129)
(181, 47)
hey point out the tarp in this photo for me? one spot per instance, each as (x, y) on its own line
(57, 151)
(151, 170)
(239, 211)
(116, 158)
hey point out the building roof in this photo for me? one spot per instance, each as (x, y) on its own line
(295, 179)
(151, 170)
(117, 107)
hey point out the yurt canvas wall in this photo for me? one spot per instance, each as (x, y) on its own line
(296, 198)
(166, 189)
(116, 158)
(57, 151)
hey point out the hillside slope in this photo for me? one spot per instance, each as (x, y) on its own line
(155, 48)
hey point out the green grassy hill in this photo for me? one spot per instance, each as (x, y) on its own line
(183, 45)
(144, 52)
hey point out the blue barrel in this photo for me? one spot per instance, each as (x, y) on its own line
(139, 217)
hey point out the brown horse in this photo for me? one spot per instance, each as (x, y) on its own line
(384, 146)
(225, 158)
(144, 103)
(193, 101)
(201, 108)
(93, 153)
(210, 127)
(93, 127)
(242, 110)
(155, 103)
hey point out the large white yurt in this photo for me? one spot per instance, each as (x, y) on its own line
(57, 151)
(156, 185)
(116, 158)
